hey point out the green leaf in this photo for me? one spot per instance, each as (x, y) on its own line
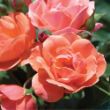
(27, 69)
(107, 72)
(8, 78)
(37, 32)
(78, 95)
(90, 24)
(98, 16)
(47, 32)
(40, 101)
(29, 91)
(101, 36)
(24, 8)
(105, 106)
(1, 1)
(86, 34)
(3, 7)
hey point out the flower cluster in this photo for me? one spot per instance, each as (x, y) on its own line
(63, 61)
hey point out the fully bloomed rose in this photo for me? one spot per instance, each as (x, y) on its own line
(12, 97)
(17, 36)
(65, 64)
(57, 15)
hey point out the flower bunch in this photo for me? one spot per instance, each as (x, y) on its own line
(45, 52)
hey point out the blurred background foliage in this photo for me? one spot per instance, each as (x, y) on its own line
(101, 39)
(96, 97)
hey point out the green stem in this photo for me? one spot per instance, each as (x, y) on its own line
(26, 83)
(109, 79)
(103, 90)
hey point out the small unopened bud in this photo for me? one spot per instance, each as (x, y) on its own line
(17, 4)
(98, 26)
(27, 2)
(42, 37)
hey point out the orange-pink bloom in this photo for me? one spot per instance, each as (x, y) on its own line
(12, 97)
(65, 64)
(17, 36)
(56, 15)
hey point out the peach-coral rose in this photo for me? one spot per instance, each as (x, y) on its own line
(13, 97)
(17, 36)
(65, 64)
(56, 15)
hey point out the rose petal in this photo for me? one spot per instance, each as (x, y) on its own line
(101, 65)
(48, 92)
(56, 19)
(8, 65)
(38, 7)
(61, 85)
(8, 104)
(91, 7)
(66, 30)
(53, 3)
(80, 18)
(51, 45)
(16, 49)
(33, 59)
(27, 103)
(92, 81)
(30, 103)
(84, 47)
(12, 92)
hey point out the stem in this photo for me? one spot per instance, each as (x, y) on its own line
(26, 83)
(109, 79)
(103, 90)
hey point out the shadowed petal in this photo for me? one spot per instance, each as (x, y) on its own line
(42, 88)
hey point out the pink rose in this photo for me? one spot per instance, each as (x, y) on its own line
(56, 15)
(12, 97)
(65, 64)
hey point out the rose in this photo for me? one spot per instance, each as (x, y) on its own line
(65, 64)
(56, 15)
(16, 38)
(12, 97)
